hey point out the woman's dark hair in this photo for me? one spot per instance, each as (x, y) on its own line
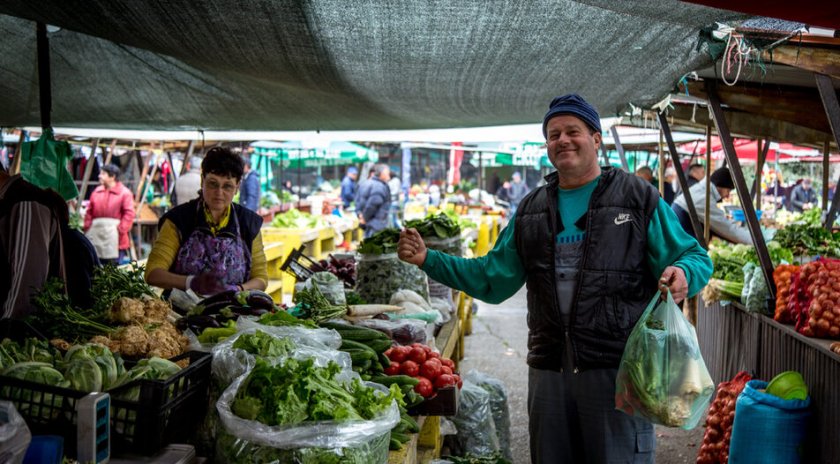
(222, 162)
(112, 171)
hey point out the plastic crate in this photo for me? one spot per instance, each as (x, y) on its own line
(167, 410)
(444, 403)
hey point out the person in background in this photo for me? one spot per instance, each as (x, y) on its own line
(362, 193)
(378, 201)
(110, 216)
(187, 186)
(803, 197)
(29, 242)
(696, 171)
(210, 244)
(516, 191)
(435, 196)
(348, 187)
(646, 173)
(249, 191)
(668, 192)
(721, 226)
(589, 239)
(395, 186)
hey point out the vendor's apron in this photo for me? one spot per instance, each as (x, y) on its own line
(224, 256)
(105, 237)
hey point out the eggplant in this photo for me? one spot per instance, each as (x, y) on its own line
(199, 321)
(216, 307)
(259, 299)
(227, 297)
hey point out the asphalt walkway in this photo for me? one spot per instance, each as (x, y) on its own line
(498, 347)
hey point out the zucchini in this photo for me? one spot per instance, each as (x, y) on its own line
(399, 380)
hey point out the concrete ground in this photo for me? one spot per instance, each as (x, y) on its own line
(498, 347)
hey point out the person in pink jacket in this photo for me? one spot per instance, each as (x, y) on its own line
(109, 216)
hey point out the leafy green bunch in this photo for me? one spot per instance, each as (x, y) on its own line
(435, 225)
(380, 243)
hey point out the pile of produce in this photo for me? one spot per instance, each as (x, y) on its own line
(344, 269)
(783, 276)
(366, 348)
(807, 236)
(294, 219)
(435, 226)
(721, 416)
(727, 281)
(313, 305)
(380, 273)
(820, 315)
(496, 457)
(424, 364)
(220, 311)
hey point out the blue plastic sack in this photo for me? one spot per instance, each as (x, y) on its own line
(768, 429)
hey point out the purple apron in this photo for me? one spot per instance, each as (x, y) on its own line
(224, 255)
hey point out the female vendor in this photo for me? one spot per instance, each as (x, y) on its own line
(210, 244)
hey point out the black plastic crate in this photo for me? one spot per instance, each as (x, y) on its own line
(167, 410)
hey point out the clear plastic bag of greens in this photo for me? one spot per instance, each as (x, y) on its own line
(498, 406)
(316, 338)
(474, 421)
(325, 441)
(755, 293)
(232, 357)
(330, 286)
(380, 276)
(662, 376)
(451, 246)
(14, 434)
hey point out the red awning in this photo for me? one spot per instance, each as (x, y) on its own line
(748, 151)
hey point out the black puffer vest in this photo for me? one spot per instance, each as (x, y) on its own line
(614, 283)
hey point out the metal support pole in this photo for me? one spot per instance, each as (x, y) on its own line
(604, 154)
(111, 150)
(741, 187)
(826, 167)
(832, 111)
(763, 149)
(707, 226)
(188, 157)
(661, 161)
(620, 149)
(692, 211)
(44, 84)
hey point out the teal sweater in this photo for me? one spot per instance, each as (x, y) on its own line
(496, 276)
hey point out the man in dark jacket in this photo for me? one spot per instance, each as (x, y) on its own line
(377, 201)
(348, 187)
(803, 197)
(595, 246)
(249, 192)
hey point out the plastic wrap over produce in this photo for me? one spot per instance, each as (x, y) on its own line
(339, 437)
(380, 276)
(14, 434)
(230, 362)
(451, 246)
(474, 421)
(316, 338)
(662, 376)
(498, 405)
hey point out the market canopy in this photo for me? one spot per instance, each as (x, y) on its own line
(748, 151)
(296, 154)
(333, 65)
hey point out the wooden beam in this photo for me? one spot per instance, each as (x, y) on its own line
(88, 168)
(188, 157)
(111, 150)
(797, 105)
(746, 125)
(816, 59)
(741, 187)
(15, 168)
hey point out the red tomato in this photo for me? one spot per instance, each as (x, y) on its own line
(425, 347)
(388, 352)
(458, 380)
(445, 370)
(399, 353)
(393, 368)
(409, 368)
(433, 354)
(445, 380)
(417, 355)
(448, 362)
(431, 369)
(424, 388)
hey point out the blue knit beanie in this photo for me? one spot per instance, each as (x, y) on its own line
(576, 106)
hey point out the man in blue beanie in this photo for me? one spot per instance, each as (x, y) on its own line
(595, 245)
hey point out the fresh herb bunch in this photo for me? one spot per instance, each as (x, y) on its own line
(807, 239)
(110, 283)
(57, 317)
(383, 242)
(316, 306)
(435, 225)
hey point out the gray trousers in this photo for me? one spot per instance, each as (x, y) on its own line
(572, 419)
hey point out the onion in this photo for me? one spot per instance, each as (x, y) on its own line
(834, 331)
(714, 421)
(823, 325)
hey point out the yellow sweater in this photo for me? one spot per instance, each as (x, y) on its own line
(166, 247)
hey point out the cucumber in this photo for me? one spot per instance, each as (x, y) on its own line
(350, 344)
(400, 437)
(410, 424)
(361, 356)
(394, 444)
(359, 334)
(384, 360)
(399, 380)
(379, 345)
